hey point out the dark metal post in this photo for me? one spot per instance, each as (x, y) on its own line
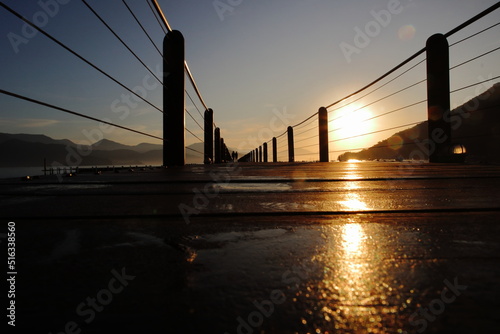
(260, 153)
(217, 146)
(173, 100)
(291, 149)
(265, 151)
(209, 137)
(323, 134)
(256, 155)
(222, 150)
(275, 149)
(438, 98)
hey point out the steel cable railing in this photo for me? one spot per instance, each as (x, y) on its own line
(381, 86)
(142, 27)
(76, 54)
(380, 146)
(155, 14)
(194, 133)
(474, 84)
(25, 98)
(162, 18)
(475, 34)
(475, 58)
(135, 55)
(282, 147)
(383, 98)
(121, 40)
(304, 129)
(374, 132)
(306, 142)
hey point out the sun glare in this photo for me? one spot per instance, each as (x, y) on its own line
(350, 122)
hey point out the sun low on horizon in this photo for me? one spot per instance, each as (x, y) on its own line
(351, 123)
(245, 56)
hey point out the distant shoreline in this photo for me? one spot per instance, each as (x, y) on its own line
(16, 172)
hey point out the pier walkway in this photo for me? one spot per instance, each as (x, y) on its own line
(372, 247)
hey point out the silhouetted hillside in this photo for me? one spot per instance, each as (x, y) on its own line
(17, 153)
(109, 145)
(475, 125)
(25, 150)
(41, 139)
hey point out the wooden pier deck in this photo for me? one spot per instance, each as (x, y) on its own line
(259, 248)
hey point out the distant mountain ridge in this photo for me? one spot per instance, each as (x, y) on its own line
(475, 125)
(27, 150)
(42, 139)
(109, 145)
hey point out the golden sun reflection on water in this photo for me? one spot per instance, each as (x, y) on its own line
(353, 269)
(353, 202)
(352, 239)
(355, 285)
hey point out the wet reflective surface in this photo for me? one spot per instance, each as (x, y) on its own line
(351, 276)
(357, 250)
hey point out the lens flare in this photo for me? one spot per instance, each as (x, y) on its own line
(396, 142)
(406, 33)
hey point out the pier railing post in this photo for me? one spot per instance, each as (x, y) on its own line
(222, 151)
(275, 149)
(265, 151)
(217, 146)
(209, 137)
(438, 98)
(173, 100)
(256, 155)
(323, 134)
(260, 153)
(291, 148)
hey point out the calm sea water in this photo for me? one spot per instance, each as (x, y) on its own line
(8, 172)
(13, 172)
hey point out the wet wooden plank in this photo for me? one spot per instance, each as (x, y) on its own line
(340, 248)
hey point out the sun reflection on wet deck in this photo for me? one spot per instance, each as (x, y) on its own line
(352, 239)
(352, 200)
(356, 289)
(356, 285)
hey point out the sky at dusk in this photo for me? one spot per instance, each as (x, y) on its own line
(260, 65)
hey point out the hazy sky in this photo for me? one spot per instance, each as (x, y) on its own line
(254, 61)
